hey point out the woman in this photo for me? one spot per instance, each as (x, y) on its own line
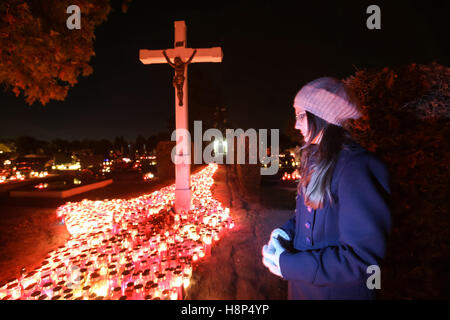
(342, 218)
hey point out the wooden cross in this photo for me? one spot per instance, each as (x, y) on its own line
(183, 146)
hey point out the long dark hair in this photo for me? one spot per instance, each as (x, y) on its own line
(319, 160)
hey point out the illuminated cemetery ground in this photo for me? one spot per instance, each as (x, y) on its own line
(134, 249)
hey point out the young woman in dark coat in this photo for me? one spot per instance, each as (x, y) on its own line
(337, 237)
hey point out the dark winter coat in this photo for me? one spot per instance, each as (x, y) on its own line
(334, 245)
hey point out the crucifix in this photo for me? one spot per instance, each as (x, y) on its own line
(179, 58)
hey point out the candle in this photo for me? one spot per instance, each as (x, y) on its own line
(101, 288)
(67, 291)
(116, 293)
(186, 280)
(137, 278)
(29, 279)
(86, 292)
(165, 295)
(35, 295)
(174, 294)
(68, 296)
(129, 286)
(47, 289)
(89, 266)
(14, 290)
(113, 279)
(57, 290)
(125, 277)
(29, 289)
(139, 292)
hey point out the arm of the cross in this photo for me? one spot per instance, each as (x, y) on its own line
(190, 59)
(167, 59)
(203, 55)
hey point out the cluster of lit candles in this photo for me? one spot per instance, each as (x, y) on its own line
(16, 177)
(36, 174)
(291, 176)
(116, 251)
(42, 185)
(148, 176)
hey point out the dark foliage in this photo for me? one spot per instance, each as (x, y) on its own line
(39, 56)
(406, 123)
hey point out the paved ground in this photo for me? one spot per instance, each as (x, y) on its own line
(29, 230)
(235, 270)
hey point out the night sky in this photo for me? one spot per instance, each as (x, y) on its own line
(271, 49)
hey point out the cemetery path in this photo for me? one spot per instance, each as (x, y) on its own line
(27, 234)
(234, 269)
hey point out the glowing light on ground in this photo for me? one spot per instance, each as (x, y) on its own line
(67, 166)
(128, 249)
(41, 186)
(19, 176)
(291, 176)
(149, 176)
(42, 174)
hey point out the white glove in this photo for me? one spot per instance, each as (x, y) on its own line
(272, 267)
(271, 256)
(279, 232)
(275, 234)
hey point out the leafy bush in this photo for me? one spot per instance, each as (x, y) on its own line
(406, 124)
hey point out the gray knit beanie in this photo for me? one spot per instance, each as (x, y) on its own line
(329, 99)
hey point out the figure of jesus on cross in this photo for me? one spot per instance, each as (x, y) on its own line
(178, 78)
(179, 54)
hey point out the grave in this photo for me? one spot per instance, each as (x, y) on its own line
(58, 189)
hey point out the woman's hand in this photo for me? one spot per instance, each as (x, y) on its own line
(282, 237)
(271, 252)
(279, 232)
(271, 265)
